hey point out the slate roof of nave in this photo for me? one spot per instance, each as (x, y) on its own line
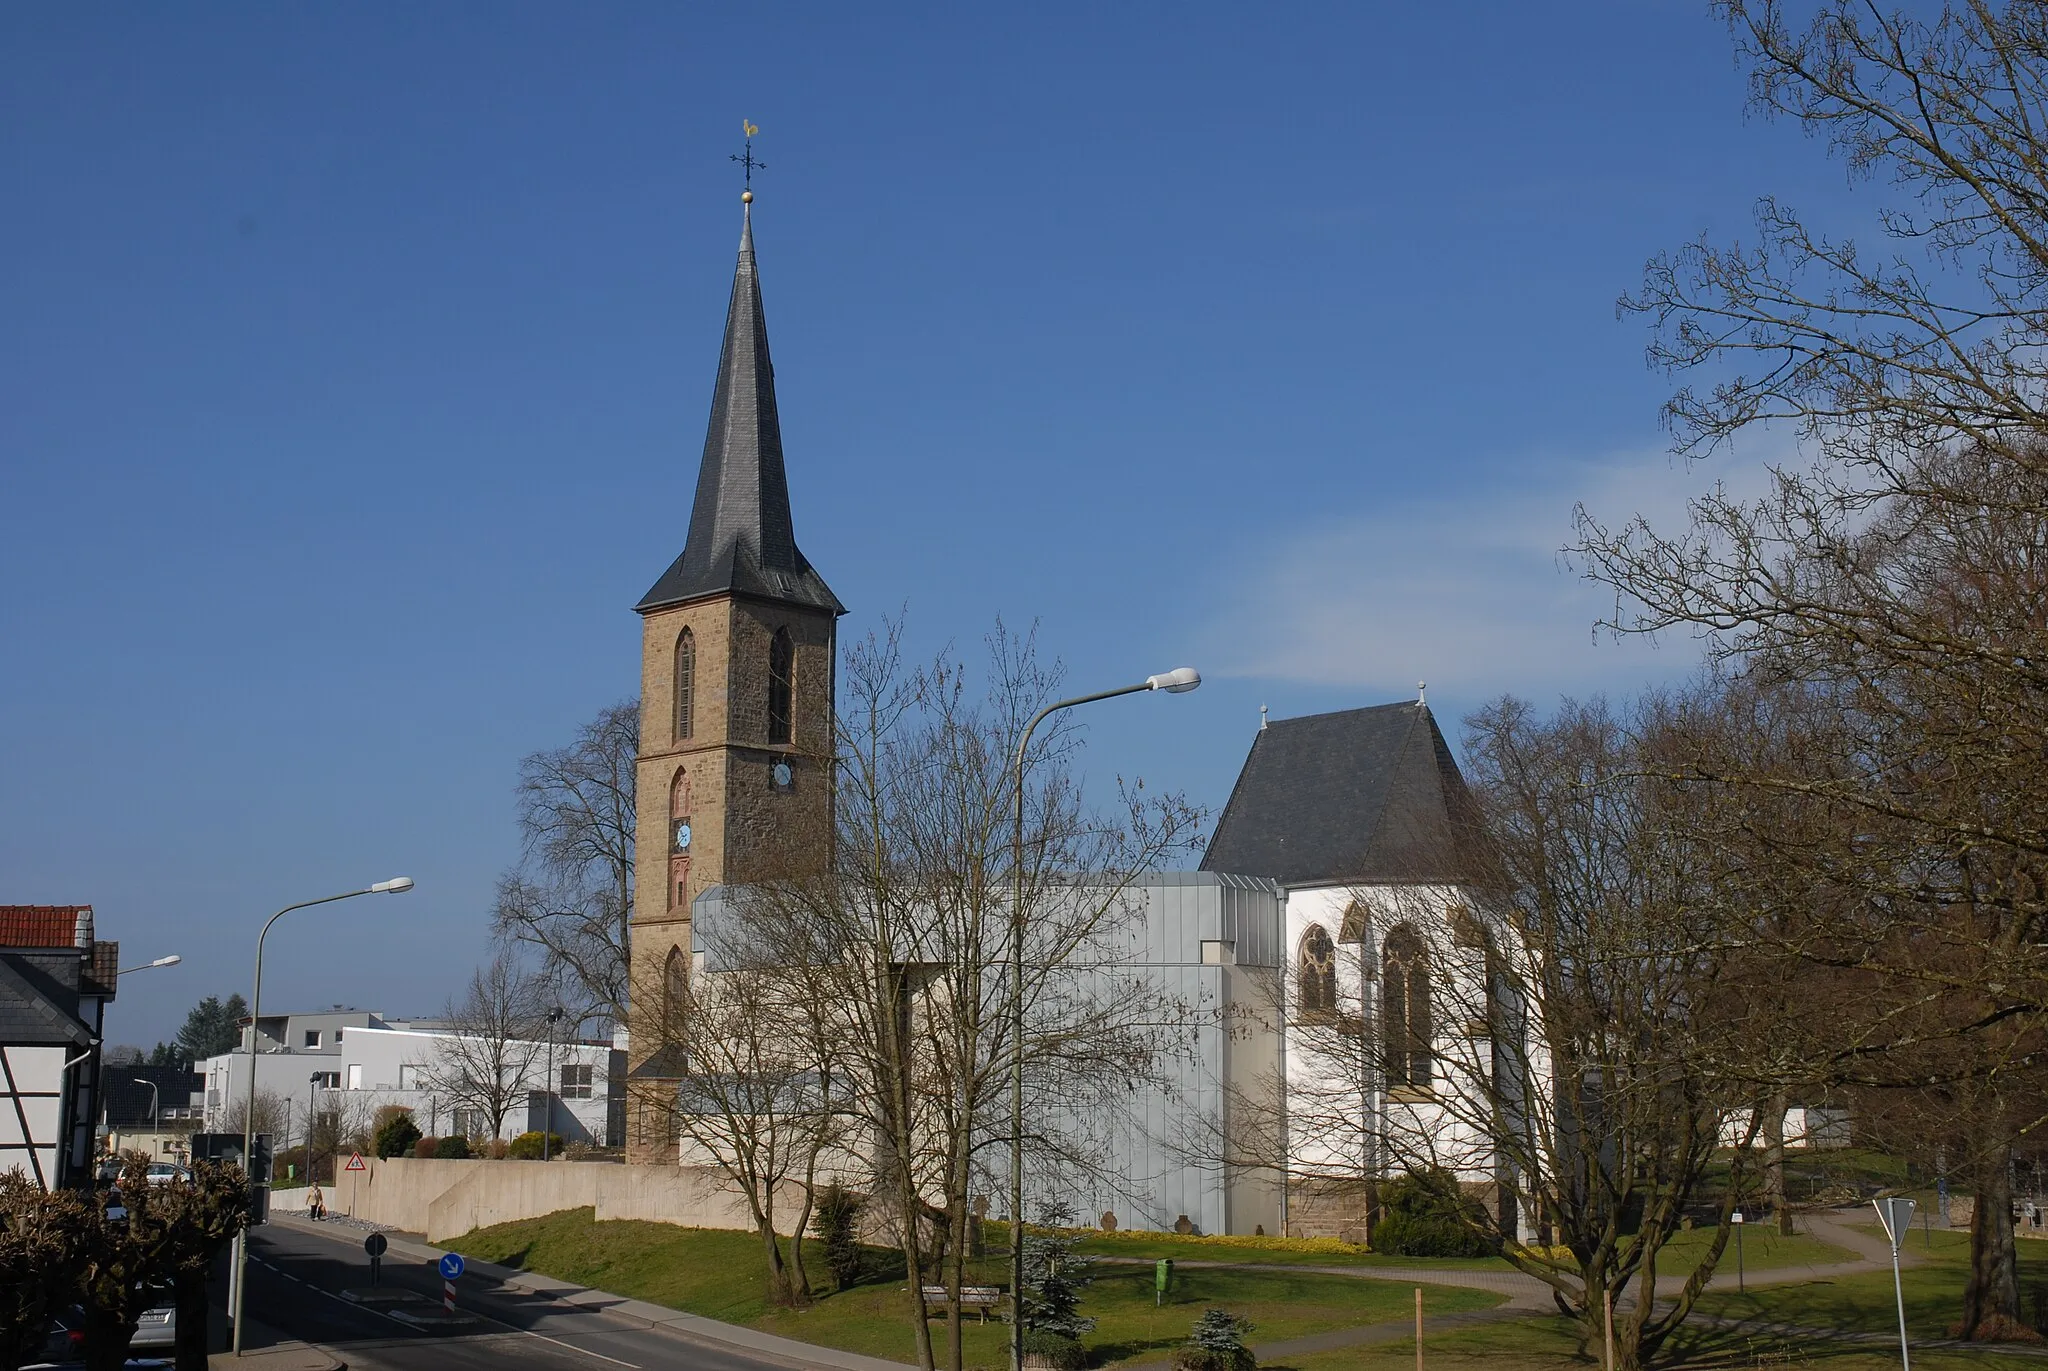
(1368, 795)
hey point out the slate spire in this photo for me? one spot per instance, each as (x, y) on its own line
(741, 538)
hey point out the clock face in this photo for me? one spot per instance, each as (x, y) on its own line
(782, 775)
(683, 836)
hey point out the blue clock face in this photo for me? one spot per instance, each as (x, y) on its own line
(782, 775)
(683, 836)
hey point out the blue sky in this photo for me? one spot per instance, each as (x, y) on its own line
(357, 361)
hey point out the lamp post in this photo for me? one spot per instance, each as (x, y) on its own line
(1176, 682)
(548, 1086)
(398, 885)
(312, 1112)
(171, 960)
(156, 1115)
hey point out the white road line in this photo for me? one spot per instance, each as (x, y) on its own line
(527, 1332)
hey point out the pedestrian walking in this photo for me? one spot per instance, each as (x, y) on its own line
(316, 1206)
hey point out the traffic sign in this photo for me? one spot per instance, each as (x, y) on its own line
(451, 1265)
(375, 1244)
(355, 1162)
(1896, 1214)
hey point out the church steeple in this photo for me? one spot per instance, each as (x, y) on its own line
(742, 540)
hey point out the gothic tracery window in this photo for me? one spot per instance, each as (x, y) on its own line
(1316, 972)
(686, 684)
(1353, 930)
(1405, 1027)
(781, 687)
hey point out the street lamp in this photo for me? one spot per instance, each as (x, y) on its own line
(398, 885)
(1176, 682)
(312, 1108)
(156, 1115)
(548, 1086)
(171, 960)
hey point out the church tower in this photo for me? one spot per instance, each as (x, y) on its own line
(736, 682)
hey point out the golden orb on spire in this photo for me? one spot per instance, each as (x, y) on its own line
(746, 197)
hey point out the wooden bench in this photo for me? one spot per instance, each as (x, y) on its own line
(980, 1298)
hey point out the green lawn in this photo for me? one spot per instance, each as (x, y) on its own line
(1549, 1344)
(1933, 1290)
(1763, 1249)
(719, 1275)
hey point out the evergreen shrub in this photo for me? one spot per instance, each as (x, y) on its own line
(1428, 1216)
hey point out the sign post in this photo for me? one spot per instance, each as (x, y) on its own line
(356, 1167)
(375, 1245)
(1741, 1288)
(1896, 1214)
(451, 1267)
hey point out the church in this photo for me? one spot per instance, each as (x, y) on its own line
(1327, 936)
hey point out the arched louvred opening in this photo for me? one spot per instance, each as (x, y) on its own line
(686, 684)
(781, 688)
(675, 994)
(680, 839)
(1316, 973)
(1406, 1028)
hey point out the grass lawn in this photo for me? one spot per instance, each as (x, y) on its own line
(1548, 1344)
(719, 1275)
(1933, 1290)
(1762, 1250)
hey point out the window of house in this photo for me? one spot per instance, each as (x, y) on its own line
(312, 1037)
(781, 687)
(1405, 1027)
(1316, 972)
(355, 1075)
(576, 1082)
(327, 1080)
(686, 683)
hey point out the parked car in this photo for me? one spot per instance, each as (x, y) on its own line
(157, 1329)
(161, 1173)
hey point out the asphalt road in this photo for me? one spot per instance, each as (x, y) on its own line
(295, 1284)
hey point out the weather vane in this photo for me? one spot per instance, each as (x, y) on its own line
(749, 161)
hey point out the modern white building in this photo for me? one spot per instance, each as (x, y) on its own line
(359, 1061)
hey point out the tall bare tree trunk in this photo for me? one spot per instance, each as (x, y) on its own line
(1991, 1299)
(1774, 1161)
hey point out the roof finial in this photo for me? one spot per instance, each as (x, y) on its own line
(748, 161)
(1262, 718)
(1422, 692)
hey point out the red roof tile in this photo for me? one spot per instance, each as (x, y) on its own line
(41, 925)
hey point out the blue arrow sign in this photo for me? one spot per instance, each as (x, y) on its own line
(451, 1265)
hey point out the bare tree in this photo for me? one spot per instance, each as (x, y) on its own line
(899, 952)
(271, 1112)
(759, 1096)
(1896, 581)
(571, 896)
(487, 1061)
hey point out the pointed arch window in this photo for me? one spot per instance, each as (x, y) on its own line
(781, 688)
(680, 839)
(1405, 1026)
(675, 992)
(1316, 973)
(686, 684)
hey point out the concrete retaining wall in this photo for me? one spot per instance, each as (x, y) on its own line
(446, 1199)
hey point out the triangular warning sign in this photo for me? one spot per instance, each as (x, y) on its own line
(355, 1162)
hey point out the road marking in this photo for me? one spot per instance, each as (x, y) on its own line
(514, 1328)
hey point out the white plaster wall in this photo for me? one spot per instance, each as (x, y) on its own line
(37, 1081)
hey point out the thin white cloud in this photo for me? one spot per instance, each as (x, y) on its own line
(1471, 593)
